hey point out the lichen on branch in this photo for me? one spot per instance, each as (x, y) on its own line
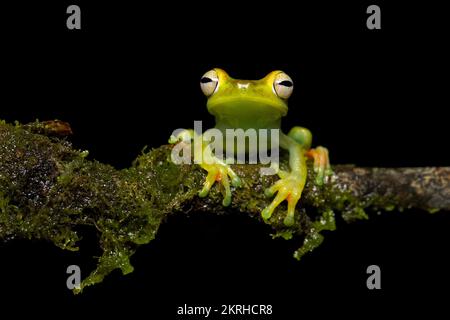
(48, 190)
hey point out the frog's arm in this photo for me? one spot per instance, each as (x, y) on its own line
(319, 154)
(217, 169)
(291, 184)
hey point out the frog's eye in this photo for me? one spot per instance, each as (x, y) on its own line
(283, 85)
(209, 82)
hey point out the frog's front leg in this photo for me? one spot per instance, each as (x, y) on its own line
(319, 154)
(291, 184)
(218, 170)
(321, 163)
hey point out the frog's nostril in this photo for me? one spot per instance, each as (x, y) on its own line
(243, 85)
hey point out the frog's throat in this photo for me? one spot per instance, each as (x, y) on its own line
(246, 115)
(224, 122)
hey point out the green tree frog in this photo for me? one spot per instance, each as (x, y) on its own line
(259, 104)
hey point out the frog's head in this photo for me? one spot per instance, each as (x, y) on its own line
(248, 103)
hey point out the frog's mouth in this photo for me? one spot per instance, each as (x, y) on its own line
(248, 112)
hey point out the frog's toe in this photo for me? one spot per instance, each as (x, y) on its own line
(283, 174)
(203, 193)
(209, 181)
(268, 211)
(289, 220)
(320, 175)
(269, 192)
(226, 201)
(236, 181)
(292, 202)
(321, 163)
(227, 191)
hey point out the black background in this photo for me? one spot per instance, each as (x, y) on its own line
(130, 77)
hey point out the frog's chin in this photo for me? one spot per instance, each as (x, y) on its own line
(247, 109)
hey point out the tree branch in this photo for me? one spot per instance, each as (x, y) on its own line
(48, 189)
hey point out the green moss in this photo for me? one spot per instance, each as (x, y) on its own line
(354, 212)
(285, 234)
(115, 257)
(313, 237)
(48, 189)
(58, 189)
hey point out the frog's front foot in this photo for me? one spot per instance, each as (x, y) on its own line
(221, 173)
(321, 163)
(289, 188)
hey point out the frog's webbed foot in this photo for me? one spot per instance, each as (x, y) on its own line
(221, 173)
(217, 169)
(321, 163)
(289, 188)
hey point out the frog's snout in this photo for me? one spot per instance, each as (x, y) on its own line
(243, 85)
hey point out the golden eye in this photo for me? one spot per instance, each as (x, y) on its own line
(209, 82)
(283, 85)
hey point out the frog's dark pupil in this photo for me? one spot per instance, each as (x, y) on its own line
(286, 83)
(205, 80)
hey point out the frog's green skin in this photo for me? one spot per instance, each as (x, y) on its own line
(260, 104)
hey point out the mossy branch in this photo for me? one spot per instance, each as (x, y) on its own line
(48, 189)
